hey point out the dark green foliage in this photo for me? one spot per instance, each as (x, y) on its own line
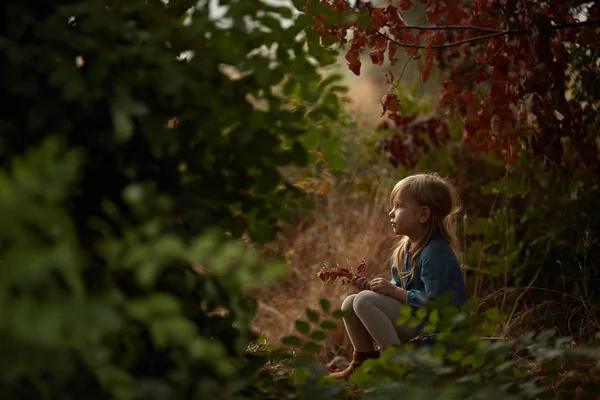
(133, 134)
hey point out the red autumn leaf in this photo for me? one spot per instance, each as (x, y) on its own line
(496, 126)
(455, 14)
(392, 48)
(445, 99)
(341, 275)
(481, 58)
(405, 36)
(432, 12)
(360, 271)
(405, 4)
(481, 77)
(394, 16)
(499, 93)
(377, 56)
(499, 74)
(451, 87)
(379, 47)
(428, 63)
(466, 96)
(390, 102)
(353, 59)
(378, 18)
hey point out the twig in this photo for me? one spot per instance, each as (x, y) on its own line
(441, 46)
(519, 298)
(403, 70)
(491, 35)
(467, 75)
(270, 309)
(504, 12)
(446, 27)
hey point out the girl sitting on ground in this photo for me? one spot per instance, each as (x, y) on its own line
(422, 209)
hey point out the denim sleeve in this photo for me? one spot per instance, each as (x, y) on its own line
(434, 274)
(395, 276)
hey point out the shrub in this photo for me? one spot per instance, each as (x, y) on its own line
(136, 136)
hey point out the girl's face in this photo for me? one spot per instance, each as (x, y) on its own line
(406, 217)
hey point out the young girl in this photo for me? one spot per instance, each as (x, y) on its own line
(422, 208)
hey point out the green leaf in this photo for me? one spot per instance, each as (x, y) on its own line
(293, 341)
(455, 355)
(421, 314)
(331, 145)
(299, 4)
(325, 305)
(338, 314)
(319, 335)
(470, 305)
(267, 181)
(311, 140)
(402, 320)
(434, 317)
(122, 124)
(328, 325)
(335, 161)
(479, 361)
(312, 159)
(364, 20)
(438, 350)
(299, 154)
(331, 78)
(329, 41)
(289, 86)
(414, 323)
(312, 315)
(468, 360)
(311, 347)
(493, 315)
(302, 326)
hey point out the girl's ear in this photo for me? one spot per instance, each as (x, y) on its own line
(424, 215)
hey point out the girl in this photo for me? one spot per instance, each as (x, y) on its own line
(422, 208)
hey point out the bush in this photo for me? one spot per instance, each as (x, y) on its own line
(136, 136)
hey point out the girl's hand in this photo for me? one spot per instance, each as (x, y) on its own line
(383, 286)
(360, 282)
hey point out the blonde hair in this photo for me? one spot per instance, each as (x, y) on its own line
(436, 193)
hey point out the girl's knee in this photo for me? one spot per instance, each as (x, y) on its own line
(348, 304)
(365, 299)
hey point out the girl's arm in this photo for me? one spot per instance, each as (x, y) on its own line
(434, 268)
(399, 294)
(383, 286)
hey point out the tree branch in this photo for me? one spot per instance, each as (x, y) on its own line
(447, 27)
(576, 24)
(441, 46)
(475, 39)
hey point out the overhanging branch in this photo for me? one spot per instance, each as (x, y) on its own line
(494, 33)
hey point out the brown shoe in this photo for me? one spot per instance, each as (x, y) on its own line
(357, 359)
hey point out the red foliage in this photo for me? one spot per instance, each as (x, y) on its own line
(505, 63)
(341, 275)
(411, 139)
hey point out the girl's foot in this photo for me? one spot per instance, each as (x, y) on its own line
(357, 359)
